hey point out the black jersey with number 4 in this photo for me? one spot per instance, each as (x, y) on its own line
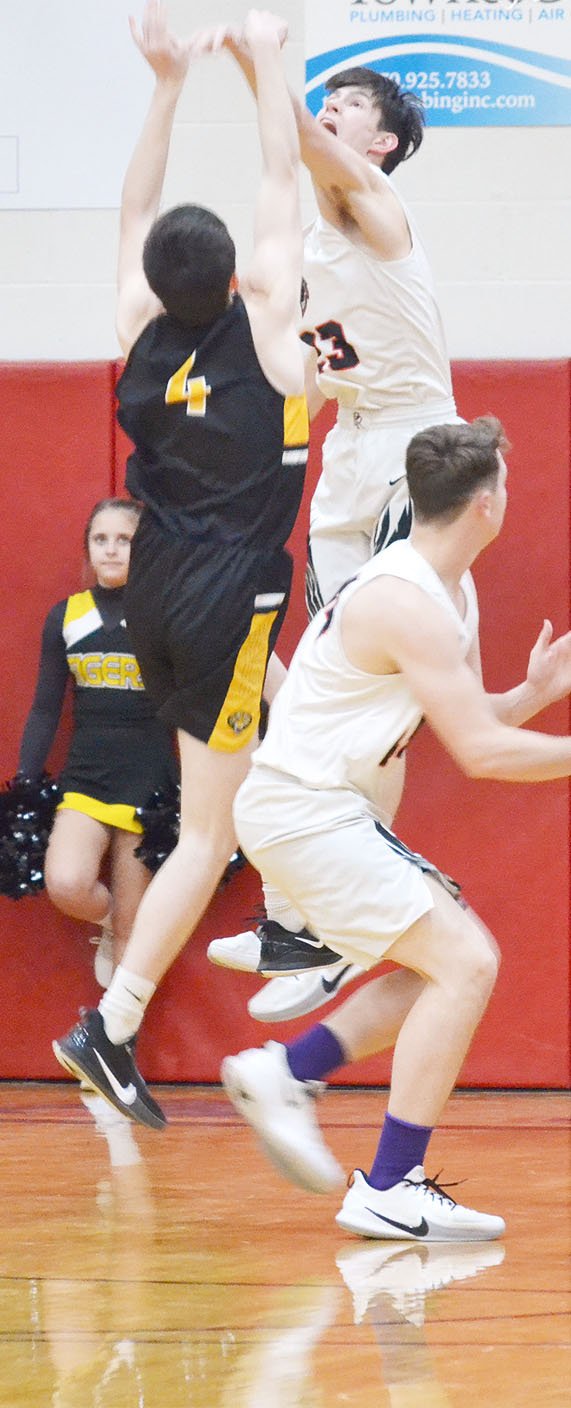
(218, 451)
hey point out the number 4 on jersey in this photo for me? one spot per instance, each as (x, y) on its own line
(192, 389)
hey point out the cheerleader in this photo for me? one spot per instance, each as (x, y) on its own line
(119, 755)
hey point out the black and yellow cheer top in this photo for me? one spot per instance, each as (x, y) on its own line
(119, 753)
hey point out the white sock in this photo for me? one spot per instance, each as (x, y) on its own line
(124, 1004)
(281, 910)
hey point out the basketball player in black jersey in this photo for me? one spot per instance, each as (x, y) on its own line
(204, 398)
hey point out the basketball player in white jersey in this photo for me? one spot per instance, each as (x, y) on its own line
(371, 319)
(377, 348)
(398, 643)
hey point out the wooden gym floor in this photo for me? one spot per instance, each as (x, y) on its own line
(177, 1270)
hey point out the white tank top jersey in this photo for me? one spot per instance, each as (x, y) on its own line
(331, 724)
(375, 323)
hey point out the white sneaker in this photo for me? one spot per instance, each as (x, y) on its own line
(408, 1273)
(103, 961)
(282, 999)
(280, 1110)
(241, 952)
(415, 1209)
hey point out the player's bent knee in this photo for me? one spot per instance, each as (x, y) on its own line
(65, 889)
(485, 969)
(475, 957)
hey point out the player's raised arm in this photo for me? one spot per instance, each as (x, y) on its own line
(346, 147)
(272, 286)
(168, 57)
(330, 163)
(341, 155)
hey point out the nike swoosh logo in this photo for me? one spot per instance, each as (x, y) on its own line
(126, 1093)
(392, 482)
(309, 943)
(420, 1231)
(331, 984)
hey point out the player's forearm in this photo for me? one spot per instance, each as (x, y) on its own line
(328, 161)
(244, 61)
(278, 132)
(331, 163)
(143, 184)
(310, 134)
(302, 117)
(518, 705)
(515, 755)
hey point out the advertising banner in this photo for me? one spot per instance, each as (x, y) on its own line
(474, 63)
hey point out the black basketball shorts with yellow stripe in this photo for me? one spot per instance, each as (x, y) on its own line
(204, 618)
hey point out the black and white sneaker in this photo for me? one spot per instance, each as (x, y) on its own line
(271, 950)
(88, 1054)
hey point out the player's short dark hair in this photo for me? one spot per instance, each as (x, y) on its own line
(400, 111)
(189, 258)
(447, 464)
(126, 505)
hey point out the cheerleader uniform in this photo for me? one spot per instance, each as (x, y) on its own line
(120, 753)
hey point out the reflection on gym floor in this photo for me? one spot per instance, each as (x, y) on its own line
(143, 1270)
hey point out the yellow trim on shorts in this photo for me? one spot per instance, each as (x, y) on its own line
(239, 716)
(110, 813)
(296, 421)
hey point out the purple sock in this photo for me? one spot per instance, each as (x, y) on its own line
(401, 1147)
(314, 1055)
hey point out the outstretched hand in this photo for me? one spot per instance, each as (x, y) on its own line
(549, 668)
(259, 26)
(168, 56)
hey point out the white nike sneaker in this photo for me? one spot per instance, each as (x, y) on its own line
(282, 999)
(408, 1273)
(416, 1209)
(280, 1110)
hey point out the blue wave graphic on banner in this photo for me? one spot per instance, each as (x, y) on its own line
(329, 58)
(473, 82)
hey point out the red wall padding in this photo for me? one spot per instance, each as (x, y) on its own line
(508, 844)
(57, 450)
